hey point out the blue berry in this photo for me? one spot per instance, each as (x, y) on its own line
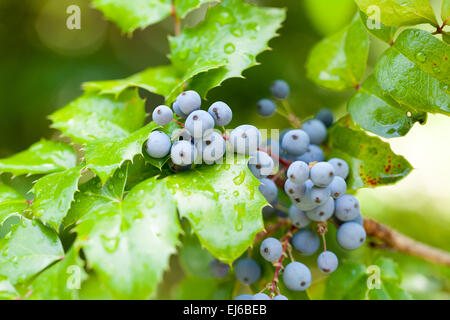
(266, 107)
(176, 168)
(313, 153)
(221, 113)
(337, 187)
(280, 89)
(347, 207)
(294, 190)
(298, 172)
(177, 110)
(245, 139)
(269, 190)
(306, 242)
(219, 269)
(327, 262)
(162, 115)
(198, 123)
(271, 249)
(298, 217)
(326, 116)
(340, 167)
(189, 101)
(319, 195)
(303, 201)
(322, 174)
(323, 212)
(295, 142)
(297, 276)
(261, 296)
(158, 144)
(359, 219)
(261, 164)
(247, 271)
(280, 297)
(268, 211)
(316, 130)
(183, 153)
(351, 235)
(211, 147)
(244, 297)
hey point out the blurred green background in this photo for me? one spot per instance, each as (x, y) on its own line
(42, 66)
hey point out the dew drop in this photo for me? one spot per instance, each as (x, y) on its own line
(229, 48)
(236, 32)
(238, 180)
(420, 56)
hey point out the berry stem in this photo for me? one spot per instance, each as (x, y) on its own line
(291, 117)
(177, 22)
(178, 122)
(279, 263)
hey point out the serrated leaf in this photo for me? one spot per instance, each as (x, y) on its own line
(232, 35)
(92, 117)
(54, 194)
(28, 249)
(128, 241)
(11, 202)
(130, 15)
(378, 29)
(371, 160)
(339, 62)
(223, 205)
(445, 11)
(62, 281)
(183, 7)
(348, 282)
(42, 157)
(398, 13)
(415, 72)
(104, 157)
(7, 290)
(377, 112)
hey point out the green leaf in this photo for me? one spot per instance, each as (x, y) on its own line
(415, 72)
(389, 270)
(382, 32)
(446, 37)
(390, 275)
(11, 203)
(445, 11)
(130, 15)
(339, 62)
(104, 157)
(232, 35)
(377, 112)
(92, 117)
(42, 157)
(54, 194)
(28, 249)
(223, 205)
(398, 13)
(7, 290)
(183, 7)
(194, 258)
(371, 160)
(62, 281)
(194, 288)
(128, 241)
(348, 282)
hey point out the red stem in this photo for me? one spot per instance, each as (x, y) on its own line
(279, 264)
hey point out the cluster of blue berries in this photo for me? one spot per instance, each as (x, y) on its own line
(317, 190)
(197, 141)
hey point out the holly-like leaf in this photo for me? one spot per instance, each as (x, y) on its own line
(92, 117)
(372, 161)
(183, 7)
(7, 290)
(11, 203)
(223, 205)
(62, 281)
(339, 62)
(390, 279)
(377, 112)
(104, 157)
(377, 29)
(232, 35)
(42, 157)
(348, 282)
(128, 241)
(28, 249)
(415, 72)
(445, 11)
(398, 13)
(130, 15)
(54, 194)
